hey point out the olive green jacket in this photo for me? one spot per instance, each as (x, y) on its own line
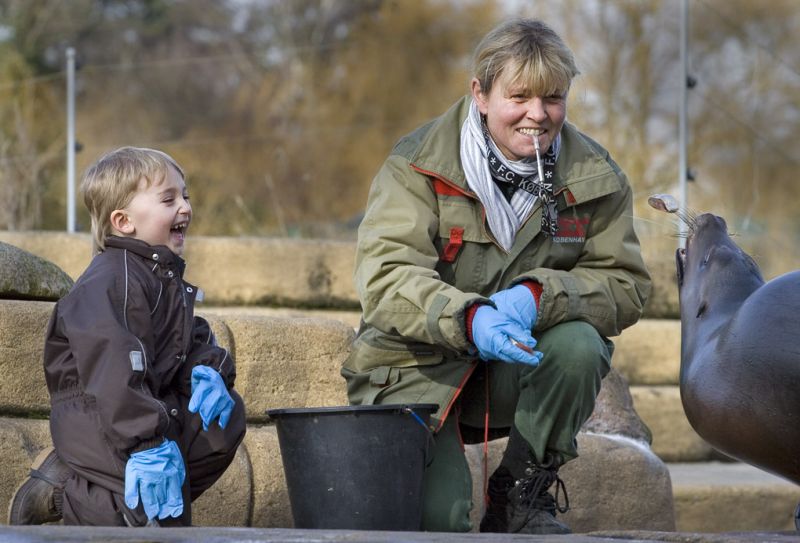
(415, 277)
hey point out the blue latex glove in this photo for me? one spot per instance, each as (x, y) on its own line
(494, 332)
(518, 303)
(156, 476)
(210, 396)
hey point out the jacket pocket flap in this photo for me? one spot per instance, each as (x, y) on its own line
(372, 350)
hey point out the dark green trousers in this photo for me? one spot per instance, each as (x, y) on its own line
(548, 405)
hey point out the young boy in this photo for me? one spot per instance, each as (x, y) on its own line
(143, 417)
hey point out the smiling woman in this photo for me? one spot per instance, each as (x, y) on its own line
(469, 248)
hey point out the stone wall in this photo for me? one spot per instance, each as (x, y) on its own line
(290, 356)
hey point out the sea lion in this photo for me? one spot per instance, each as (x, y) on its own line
(740, 350)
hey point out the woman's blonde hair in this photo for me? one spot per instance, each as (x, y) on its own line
(532, 54)
(112, 181)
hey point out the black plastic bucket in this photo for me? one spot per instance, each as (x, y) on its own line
(356, 467)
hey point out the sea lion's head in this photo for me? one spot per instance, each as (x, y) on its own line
(714, 274)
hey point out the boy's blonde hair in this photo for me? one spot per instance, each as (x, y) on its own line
(111, 182)
(531, 52)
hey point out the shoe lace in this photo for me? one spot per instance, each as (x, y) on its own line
(534, 489)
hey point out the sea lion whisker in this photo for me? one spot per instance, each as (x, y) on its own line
(661, 223)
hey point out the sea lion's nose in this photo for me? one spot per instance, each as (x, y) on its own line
(707, 220)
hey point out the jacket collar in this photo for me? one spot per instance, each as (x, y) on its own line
(159, 254)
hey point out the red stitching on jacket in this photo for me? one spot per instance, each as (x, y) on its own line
(440, 187)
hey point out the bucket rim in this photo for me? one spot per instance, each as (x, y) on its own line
(345, 409)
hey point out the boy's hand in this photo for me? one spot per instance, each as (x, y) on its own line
(210, 397)
(156, 476)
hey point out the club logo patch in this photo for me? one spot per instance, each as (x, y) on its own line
(571, 229)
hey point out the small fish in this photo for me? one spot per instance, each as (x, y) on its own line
(663, 202)
(522, 346)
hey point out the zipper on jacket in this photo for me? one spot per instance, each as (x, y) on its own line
(459, 388)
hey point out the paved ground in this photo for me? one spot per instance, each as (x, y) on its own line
(64, 534)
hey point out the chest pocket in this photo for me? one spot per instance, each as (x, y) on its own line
(461, 241)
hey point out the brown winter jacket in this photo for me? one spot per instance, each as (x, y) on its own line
(122, 344)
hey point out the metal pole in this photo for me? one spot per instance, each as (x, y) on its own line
(683, 167)
(70, 139)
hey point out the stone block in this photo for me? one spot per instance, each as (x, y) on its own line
(229, 501)
(70, 252)
(221, 331)
(350, 318)
(270, 501)
(22, 330)
(614, 412)
(26, 276)
(274, 271)
(289, 362)
(649, 352)
(659, 257)
(674, 439)
(731, 497)
(617, 484)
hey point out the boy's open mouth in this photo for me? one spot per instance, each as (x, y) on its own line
(180, 229)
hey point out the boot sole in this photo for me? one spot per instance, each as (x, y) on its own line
(24, 487)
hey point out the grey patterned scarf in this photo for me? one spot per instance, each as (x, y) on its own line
(505, 217)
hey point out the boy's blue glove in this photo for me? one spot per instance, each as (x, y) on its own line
(494, 334)
(156, 476)
(518, 303)
(210, 396)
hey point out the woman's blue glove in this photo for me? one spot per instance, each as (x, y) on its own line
(156, 476)
(494, 334)
(210, 396)
(518, 303)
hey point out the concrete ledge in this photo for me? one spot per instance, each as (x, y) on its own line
(649, 352)
(723, 497)
(79, 534)
(287, 271)
(266, 271)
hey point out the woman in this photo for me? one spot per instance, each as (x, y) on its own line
(469, 249)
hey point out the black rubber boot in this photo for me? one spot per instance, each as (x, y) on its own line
(38, 498)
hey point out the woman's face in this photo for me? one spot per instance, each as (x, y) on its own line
(513, 115)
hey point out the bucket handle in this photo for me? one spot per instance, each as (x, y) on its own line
(430, 441)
